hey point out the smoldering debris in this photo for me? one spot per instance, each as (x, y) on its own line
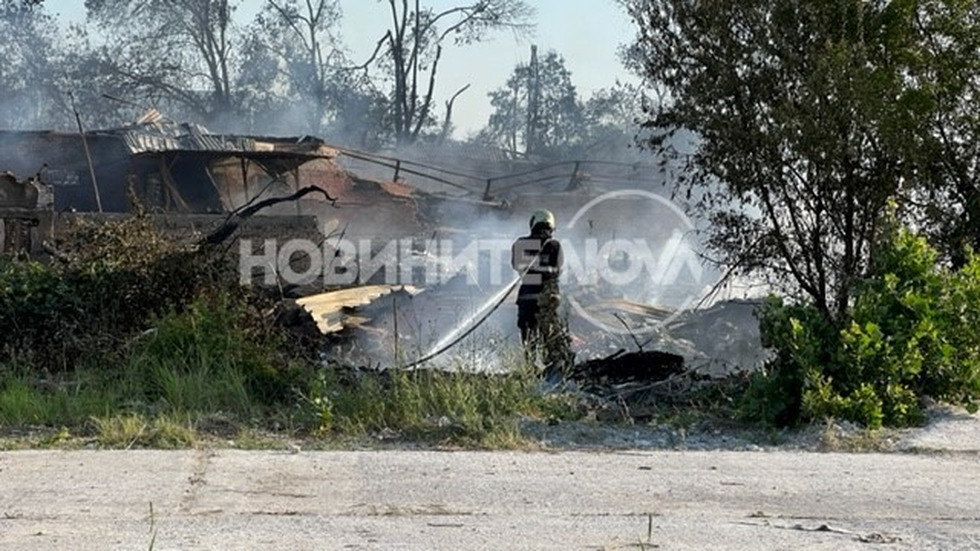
(643, 366)
(632, 342)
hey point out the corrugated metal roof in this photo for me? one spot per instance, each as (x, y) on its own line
(329, 309)
(166, 136)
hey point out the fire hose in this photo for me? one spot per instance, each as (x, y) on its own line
(473, 327)
(495, 305)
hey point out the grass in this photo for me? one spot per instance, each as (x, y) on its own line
(449, 407)
(194, 365)
(835, 438)
(129, 431)
(25, 402)
(159, 404)
(197, 369)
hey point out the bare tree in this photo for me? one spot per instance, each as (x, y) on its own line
(31, 54)
(413, 47)
(180, 50)
(309, 49)
(297, 77)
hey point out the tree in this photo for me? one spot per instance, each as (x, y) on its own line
(181, 51)
(30, 57)
(297, 77)
(413, 46)
(806, 119)
(612, 118)
(301, 35)
(8, 7)
(947, 63)
(538, 111)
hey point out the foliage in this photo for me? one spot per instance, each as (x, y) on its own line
(209, 358)
(112, 279)
(538, 112)
(947, 62)
(911, 333)
(613, 117)
(184, 52)
(18, 5)
(297, 76)
(807, 118)
(30, 92)
(213, 357)
(285, 72)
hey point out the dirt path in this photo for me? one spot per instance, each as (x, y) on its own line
(229, 499)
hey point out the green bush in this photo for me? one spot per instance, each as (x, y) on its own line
(108, 283)
(123, 321)
(911, 333)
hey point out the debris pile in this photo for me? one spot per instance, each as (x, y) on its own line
(200, 183)
(26, 214)
(644, 366)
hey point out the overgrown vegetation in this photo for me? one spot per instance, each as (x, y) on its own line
(99, 351)
(911, 333)
(477, 409)
(133, 341)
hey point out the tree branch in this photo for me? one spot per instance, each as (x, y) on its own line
(236, 217)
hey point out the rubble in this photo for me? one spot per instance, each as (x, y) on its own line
(333, 311)
(26, 214)
(644, 366)
(190, 179)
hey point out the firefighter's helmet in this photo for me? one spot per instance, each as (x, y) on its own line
(543, 217)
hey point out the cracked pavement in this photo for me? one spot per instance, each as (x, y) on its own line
(229, 499)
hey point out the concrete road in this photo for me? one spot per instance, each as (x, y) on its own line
(227, 499)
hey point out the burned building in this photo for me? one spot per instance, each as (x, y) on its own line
(169, 167)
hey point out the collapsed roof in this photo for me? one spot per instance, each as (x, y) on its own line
(170, 166)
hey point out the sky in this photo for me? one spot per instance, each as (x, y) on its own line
(588, 33)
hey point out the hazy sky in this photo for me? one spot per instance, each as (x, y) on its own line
(587, 33)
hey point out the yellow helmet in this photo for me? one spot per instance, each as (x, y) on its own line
(543, 217)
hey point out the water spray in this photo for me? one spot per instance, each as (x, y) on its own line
(477, 318)
(470, 324)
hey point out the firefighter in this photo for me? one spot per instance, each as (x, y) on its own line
(538, 258)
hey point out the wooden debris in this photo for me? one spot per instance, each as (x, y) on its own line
(332, 311)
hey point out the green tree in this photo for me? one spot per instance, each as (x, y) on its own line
(947, 64)
(807, 118)
(538, 111)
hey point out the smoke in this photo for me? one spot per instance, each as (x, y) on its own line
(632, 248)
